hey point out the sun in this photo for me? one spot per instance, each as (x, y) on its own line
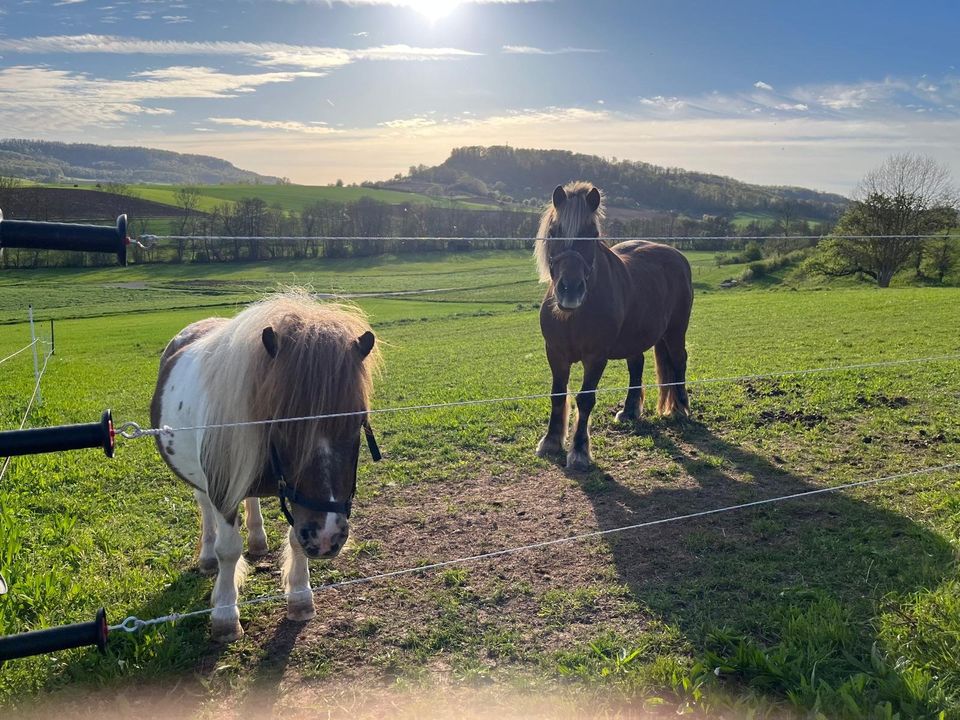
(433, 10)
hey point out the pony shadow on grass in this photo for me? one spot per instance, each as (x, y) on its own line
(186, 648)
(138, 675)
(263, 690)
(758, 574)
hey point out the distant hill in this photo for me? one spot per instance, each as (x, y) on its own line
(529, 176)
(55, 162)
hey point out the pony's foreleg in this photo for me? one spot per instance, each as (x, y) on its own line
(633, 405)
(225, 619)
(296, 581)
(256, 537)
(208, 533)
(556, 435)
(579, 456)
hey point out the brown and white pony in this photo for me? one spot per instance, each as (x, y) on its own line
(607, 303)
(287, 356)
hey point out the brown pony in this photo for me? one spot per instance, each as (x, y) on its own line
(605, 304)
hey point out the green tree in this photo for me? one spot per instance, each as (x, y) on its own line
(907, 196)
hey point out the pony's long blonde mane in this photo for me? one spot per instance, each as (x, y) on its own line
(574, 213)
(317, 371)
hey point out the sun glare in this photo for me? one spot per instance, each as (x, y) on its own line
(433, 10)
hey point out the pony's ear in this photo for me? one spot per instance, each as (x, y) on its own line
(559, 196)
(364, 343)
(593, 199)
(270, 341)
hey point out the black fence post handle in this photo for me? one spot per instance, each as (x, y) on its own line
(38, 642)
(73, 237)
(60, 437)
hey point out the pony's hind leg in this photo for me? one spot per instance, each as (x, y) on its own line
(553, 441)
(208, 534)
(633, 405)
(579, 457)
(296, 581)
(225, 619)
(671, 356)
(256, 537)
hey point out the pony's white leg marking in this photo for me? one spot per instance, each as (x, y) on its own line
(296, 581)
(256, 537)
(225, 625)
(208, 534)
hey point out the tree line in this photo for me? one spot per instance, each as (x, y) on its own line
(250, 229)
(906, 197)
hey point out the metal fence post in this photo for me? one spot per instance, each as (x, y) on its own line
(36, 362)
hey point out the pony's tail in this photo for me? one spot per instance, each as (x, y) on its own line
(672, 399)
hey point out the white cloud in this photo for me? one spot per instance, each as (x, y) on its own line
(68, 2)
(415, 123)
(659, 102)
(266, 54)
(33, 98)
(852, 96)
(886, 99)
(284, 125)
(406, 3)
(176, 19)
(528, 50)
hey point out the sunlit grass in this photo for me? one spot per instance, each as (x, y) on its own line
(842, 605)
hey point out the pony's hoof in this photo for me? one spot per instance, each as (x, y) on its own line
(549, 446)
(209, 566)
(226, 631)
(626, 417)
(300, 605)
(301, 612)
(580, 461)
(257, 548)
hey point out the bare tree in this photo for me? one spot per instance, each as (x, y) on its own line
(906, 196)
(9, 191)
(187, 199)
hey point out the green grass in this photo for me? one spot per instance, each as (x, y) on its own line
(288, 197)
(843, 604)
(485, 281)
(297, 197)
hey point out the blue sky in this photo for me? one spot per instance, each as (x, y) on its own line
(810, 93)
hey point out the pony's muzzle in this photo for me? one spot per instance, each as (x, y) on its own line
(570, 295)
(326, 540)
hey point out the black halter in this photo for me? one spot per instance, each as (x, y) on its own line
(286, 492)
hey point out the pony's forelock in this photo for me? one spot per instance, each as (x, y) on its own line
(317, 370)
(573, 215)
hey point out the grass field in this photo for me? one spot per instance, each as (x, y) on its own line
(289, 197)
(844, 605)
